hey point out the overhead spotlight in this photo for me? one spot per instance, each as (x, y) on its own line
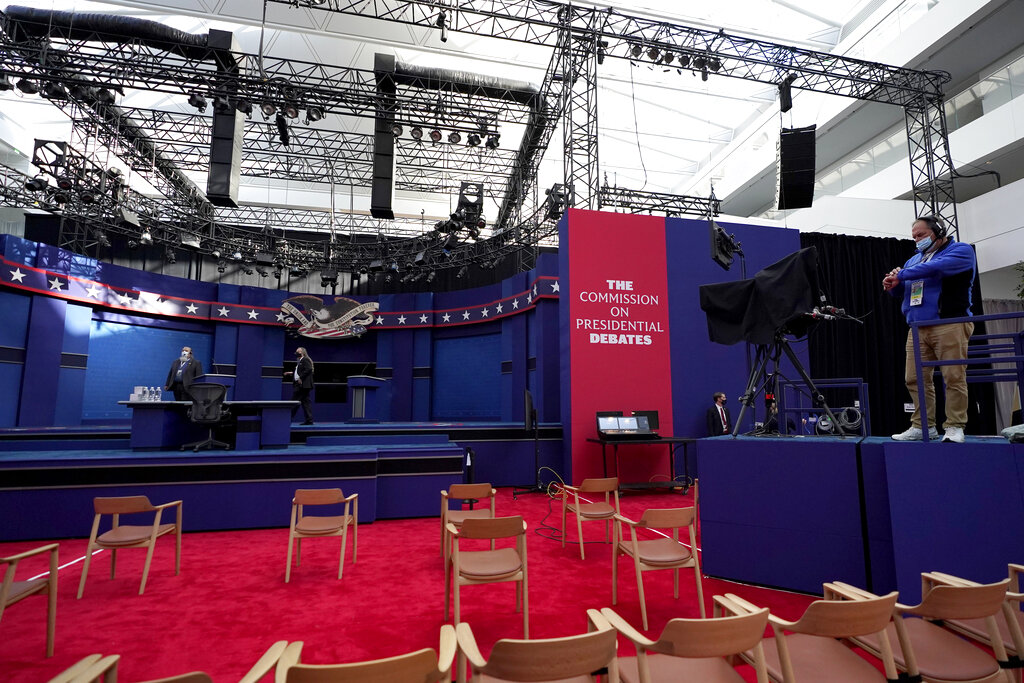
(104, 96)
(243, 107)
(442, 23)
(291, 111)
(684, 60)
(493, 141)
(262, 272)
(431, 275)
(473, 140)
(297, 272)
(87, 196)
(61, 197)
(636, 51)
(146, 237)
(602, 48)
(667, 59)
(396, 130)
(101, 238)
(700, 62)
(221, 266)
(455, 137)
(653, 53)
(316, 3)
(222, 105)
(462, 271)
(170, 256)
(277, 273)
(5, 83)
(714, 64)
(37, 184)
(416, 133)
(65, 183)
(314, 114)
(133, 245)
(435, 135)
(26, 86)
(268, 109)
(198, 101)
(246, 269)
(54, 91)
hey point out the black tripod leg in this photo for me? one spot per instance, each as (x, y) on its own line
(747, 400)
(816, 396)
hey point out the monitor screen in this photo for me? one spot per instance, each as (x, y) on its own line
(641, 422)
(627, 423)
(606, 423)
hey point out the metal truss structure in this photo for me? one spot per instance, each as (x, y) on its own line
(638, 201)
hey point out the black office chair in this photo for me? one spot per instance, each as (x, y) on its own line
(207, 409)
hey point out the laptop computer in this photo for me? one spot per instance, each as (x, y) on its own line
(624, 428)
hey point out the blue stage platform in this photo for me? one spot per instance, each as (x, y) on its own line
(797, 512)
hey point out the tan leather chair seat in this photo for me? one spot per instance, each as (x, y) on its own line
(665, 668)
(665, 551)
(597, 510)
(939, 653)
(816, 658)
(457, 516)
(490, 564)
(322, 525)
(128, 534)
(976, 628)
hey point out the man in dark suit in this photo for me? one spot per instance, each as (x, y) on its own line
(718, 418)
(302, 380)
(183, 373)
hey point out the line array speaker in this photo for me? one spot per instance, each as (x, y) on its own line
(796, 168)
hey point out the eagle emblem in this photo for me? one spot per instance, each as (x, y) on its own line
(342, 318)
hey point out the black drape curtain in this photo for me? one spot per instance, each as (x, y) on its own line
(851, 270)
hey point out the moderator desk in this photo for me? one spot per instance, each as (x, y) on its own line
(162, 425)
(672, 442)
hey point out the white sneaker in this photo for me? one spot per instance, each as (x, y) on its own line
(954, 435)
(916, 434)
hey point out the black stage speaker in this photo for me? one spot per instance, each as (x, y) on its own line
(228, 129)
(382, 189)
(796, 168)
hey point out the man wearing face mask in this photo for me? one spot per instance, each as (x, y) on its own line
(183, 373)
(936, 283)
(302, 379)
(718, 418)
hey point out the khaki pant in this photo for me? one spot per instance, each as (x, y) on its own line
(941, 342)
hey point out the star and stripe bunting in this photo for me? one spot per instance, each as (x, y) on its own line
(91, 292)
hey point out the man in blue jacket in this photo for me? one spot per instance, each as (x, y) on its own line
(936, 283)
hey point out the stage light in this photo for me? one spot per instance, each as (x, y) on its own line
(314, 114)
(416, 133)
(473, 140)
(431, 275)
(246, 269)
(396, 130)
(268, 109)
(146, 237)
(87, 196)
(297, 272)
(262, 272)
(54, 91)
(455, 137)
(636, 51)
(786, 93)
(493, 141)
(291, 111)
(61, 197)
(198, 101)
(221, 266)
(5, 83)
(667, 59)
(101, 238)
(243, 107)
(653, 53)
(104, 96)
(714, 63)
(462, 271)
(684, 60)
(329, 278)
(65, 183)
(700, 62)
(602, 47)
(133, 245)
(277, 273)
(222, 105)
(28, 87)
(37, 184)
(170, 256)
(435, 135)
(237, 255)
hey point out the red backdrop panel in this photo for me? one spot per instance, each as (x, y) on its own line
(618, 334)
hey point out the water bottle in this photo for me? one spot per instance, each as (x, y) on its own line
(145, 394)
(159, 394)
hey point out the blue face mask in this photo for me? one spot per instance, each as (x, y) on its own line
(923, 245)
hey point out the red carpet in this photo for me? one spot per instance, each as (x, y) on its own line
(230, 601)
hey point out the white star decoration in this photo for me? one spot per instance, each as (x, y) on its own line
(483, 313)
(380, 320)
(465, 315)
(529, 299)
(401, 320)
(222, 311)
(554, 286)
(497, 309)
(17, 275)
(191, 308)
(94, 291)
(253, 315)
(280, 317)
(535, 290)
(446, 317)
(124, 300)
(56, 284)
(423, 318)
(515, 304)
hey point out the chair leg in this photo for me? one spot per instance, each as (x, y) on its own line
(145, 569)
(615, 572)
(563, 524)
(355, 537)
(579, 533)
(113, 562)
(341, 560)
(288, 565)
(85, 572)
(526, 609)
(700, 592)
(640, 590)
(177, 551)
(447, 588)
(675, 584)
(458, 613)
(51, 617)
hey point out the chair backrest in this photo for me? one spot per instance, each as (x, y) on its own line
(319, 496)
(963, 602)
(847, 618)
(207, 401)
(496, 527)
(467, 491)
(599, 485)
(670, 518)
(123, 505)
(552, 659)
(419, 666)
(717, 637)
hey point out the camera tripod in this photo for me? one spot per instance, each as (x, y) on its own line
(760, 379)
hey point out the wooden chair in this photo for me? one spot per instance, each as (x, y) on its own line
(463, 492)
(1011, 626)
(601, 511)
(663, 552)
(422, 666)
(927, 650)
(16, 591)
(308, 526)
(96, 667)
(122, 536)
(471, 567)
(694, 649)
(574, 658)
(809, 646)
